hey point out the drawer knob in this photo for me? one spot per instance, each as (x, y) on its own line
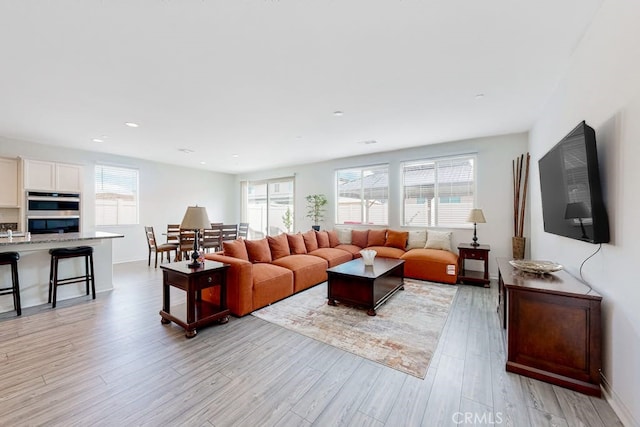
(209, 279)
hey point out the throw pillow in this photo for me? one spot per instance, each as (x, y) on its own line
(417, 239)
(235, 249)
(258, 250)
(296, 244)
(344, 235)
(439, 240)
(333, 238)
(397, 239)
(359, 238)
(310, 241)
(279, 246)
(376, 237)
(323, 239)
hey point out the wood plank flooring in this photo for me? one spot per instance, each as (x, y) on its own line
(110, 362)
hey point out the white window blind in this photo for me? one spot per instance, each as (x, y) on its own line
(438, 192)
(363, 195)
(116, 195)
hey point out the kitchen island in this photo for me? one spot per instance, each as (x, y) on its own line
(33, 266)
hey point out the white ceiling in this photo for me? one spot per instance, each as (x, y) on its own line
(260, 79)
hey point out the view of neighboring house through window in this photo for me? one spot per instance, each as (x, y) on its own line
(363, 195)
(268, 207)
(438, 192)
(116, 195)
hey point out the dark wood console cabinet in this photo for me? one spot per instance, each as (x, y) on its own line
(553, 327)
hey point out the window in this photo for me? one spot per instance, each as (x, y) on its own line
(438, 192)
(363, 195)
(116, 195)
(268, 206)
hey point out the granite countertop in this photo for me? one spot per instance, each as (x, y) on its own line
(58, 237)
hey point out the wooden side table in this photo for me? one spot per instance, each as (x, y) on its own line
(193, 280)
(480, 253)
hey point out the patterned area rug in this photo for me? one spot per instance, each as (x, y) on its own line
(403, 335)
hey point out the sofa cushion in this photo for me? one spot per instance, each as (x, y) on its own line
(387, 252)
(438, 240)
(431, 264)
(271, 283)
(279, 246)
(344, 235)
(333, 238)
(235, 249)
(322, 237)
(296, 244)
(396, 239)
(258, 250)
(310, 241)
(359, 238)
(308, 270)
(352, 249)
(417, 239)
(376, 237)
(333, 256)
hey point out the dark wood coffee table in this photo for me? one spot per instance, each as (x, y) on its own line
(365, 286)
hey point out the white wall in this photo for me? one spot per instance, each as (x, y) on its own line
(494, 191)
(602, 86)
(165, 192)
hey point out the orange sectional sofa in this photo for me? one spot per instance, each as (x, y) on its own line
(267, 270)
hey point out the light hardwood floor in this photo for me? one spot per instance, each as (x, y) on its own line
(110, 362)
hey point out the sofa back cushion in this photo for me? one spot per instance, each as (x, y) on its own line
(258, 250)
(376, 237)
(344, 235)
(323, 239)
(279, 246)
(310, 241)
(397, 239)
(333, 238)
(359, 238)
(296, 244)
(417, 239)
(438, 240)
(235, 249)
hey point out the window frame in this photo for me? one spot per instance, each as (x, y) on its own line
(135, 175)
(361, 170)
(246, 184)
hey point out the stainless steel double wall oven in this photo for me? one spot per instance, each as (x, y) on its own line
(53, 212)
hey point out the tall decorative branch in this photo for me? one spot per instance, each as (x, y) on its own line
(519, 192)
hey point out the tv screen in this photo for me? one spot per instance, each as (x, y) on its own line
(572, 204)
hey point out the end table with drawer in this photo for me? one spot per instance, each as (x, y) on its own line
(197, 312)
(478, 253)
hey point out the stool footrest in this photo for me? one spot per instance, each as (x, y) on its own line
(74, 280)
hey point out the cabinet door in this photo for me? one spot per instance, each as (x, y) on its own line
(9, 191)
(39, 175)
(68, 177)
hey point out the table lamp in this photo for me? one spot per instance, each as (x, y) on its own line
(196, 219)
(476, 216)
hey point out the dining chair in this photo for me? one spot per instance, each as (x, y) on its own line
(158, 249)
(243, 230)
(229, 232)
(212, 238)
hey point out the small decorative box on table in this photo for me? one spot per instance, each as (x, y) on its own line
(193, 280)
(479, 253)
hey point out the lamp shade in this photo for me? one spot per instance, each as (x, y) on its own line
(476, 216)
(195, 218)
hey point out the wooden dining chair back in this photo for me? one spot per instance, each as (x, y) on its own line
(243, 230)
(158, 248)
(186, 243)
(173, 234)
(212, 238)
(229, 232)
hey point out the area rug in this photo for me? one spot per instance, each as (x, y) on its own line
(403, 335)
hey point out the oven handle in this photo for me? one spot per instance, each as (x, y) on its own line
(53, 217)
(54, 199)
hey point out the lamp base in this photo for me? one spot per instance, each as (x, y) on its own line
(475, 244)
(194, 264)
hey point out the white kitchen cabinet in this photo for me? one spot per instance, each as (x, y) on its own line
(51, 176)
(9, 189)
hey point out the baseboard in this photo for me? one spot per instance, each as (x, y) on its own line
(617, 405)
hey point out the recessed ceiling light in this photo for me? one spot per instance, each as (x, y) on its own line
(338, 113)
(371, 141)
(235, 156)
(132, 124)
(97, 140)
(203, 163)
(186, 150)
(480, 96)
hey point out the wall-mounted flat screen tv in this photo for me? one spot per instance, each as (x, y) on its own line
(572, 203)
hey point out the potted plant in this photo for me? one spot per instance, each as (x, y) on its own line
(315, 209)
(287, 220)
